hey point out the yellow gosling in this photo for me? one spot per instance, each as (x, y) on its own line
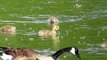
(8, 29)
(77, 6)
(53, 21)
(28, 54)
(104, 44)
(46, 33)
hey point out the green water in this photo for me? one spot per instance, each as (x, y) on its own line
(83, 24)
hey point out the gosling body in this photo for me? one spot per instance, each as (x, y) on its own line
(46, 33)
(8, 29)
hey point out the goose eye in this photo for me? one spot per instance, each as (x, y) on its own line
(57, 27)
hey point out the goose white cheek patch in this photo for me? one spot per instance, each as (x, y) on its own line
(6, 57)
(73, 51)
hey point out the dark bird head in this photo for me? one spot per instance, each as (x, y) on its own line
(75, 51)
(72, 50)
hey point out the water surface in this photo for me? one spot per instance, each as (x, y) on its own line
(83, 24)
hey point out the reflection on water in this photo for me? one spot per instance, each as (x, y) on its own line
(97, 51)
(55, 41)
(46, 51)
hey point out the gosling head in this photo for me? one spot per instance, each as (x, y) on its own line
(53, 21)
(55, 28)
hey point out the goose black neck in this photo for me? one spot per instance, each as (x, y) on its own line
(59, 52)
(3, 47)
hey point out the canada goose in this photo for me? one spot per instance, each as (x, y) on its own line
(53, 21)
(8, 29)
(27, 54)
(46, 33)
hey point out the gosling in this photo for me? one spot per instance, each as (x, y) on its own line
(8, 29)
(53, 21)
(8, 53)
(104, 44)
(46, 33)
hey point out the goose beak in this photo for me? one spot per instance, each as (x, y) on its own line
(78, 56)
(75, 51)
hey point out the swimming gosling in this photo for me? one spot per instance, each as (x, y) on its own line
(53, 21)
(46, 33)
(8, 29)
(27, 54)
(104, 44)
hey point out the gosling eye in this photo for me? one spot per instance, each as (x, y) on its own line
(57, 27)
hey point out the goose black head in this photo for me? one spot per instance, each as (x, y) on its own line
(72, 50)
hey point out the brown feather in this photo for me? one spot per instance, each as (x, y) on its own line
(21, 53)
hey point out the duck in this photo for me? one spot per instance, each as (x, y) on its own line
(8, 29)
(47, 33)
(10, 53)
(53, 21)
